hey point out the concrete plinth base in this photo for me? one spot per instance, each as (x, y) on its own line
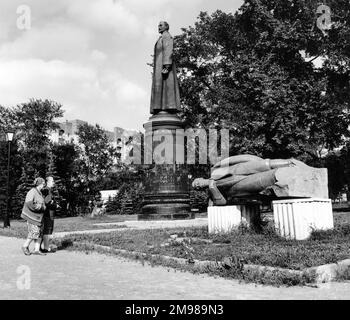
(167, 194)
(295, 219)
(226, 218)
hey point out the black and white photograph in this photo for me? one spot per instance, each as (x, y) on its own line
(175, 155)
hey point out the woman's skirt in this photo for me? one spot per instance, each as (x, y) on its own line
(34, 232)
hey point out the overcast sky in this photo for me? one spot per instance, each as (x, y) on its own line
(90, 55)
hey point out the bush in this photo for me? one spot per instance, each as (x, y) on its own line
(339, 231)
(199, 200)
(127, 201)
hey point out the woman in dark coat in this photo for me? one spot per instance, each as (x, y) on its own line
(33, 212)
(49, 214)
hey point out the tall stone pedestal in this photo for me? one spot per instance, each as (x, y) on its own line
(166, 187)
(227, 218)
(296, 218)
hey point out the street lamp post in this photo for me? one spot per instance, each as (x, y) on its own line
(9, 138)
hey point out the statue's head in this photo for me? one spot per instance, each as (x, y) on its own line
(200, 183)
(163, 26)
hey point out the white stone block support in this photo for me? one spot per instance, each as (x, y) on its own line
(226, 218)
(296, 218)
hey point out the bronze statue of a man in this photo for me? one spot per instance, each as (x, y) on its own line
(165, 88)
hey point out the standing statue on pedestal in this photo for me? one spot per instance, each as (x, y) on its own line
(248, 176)
(165, 88)
(166, 184)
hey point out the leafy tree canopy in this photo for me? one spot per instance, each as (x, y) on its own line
(34, 121)
(250, 72)
(98, 155)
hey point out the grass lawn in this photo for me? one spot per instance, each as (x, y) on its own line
(244, 245)
(19, 227)
(249, 247)
(239, 247)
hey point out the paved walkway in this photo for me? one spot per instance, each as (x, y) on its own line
(71, 275)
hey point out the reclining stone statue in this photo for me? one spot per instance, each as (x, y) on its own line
(249, 177)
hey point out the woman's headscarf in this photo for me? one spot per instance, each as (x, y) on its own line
(38, 181)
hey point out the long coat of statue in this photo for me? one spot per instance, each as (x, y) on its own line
(165, 88)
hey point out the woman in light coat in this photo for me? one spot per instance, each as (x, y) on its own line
(33, 212)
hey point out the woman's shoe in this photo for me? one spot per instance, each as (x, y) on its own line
(26, 251)
(47, 251)
(39, 253)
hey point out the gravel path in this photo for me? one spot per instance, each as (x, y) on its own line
(71, 275)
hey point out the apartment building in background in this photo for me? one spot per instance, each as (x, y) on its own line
(119, 138)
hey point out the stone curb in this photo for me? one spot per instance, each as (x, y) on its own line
(197, 264)
(321, 274)
(62, 234)
(330, 272)
(128, 253)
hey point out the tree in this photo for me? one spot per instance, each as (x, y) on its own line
(336, 179)
(66, 158)
(338, 165)
(246, 72)
(7, 121)
(25, 183)
(3, 179)
(128, 180)
(128, 200)
(52, 172)
(112, 206)
(35, 121)
(32, 122)
(97, 157)
(97, 154)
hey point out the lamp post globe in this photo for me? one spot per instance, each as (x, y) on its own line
(9, 136)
